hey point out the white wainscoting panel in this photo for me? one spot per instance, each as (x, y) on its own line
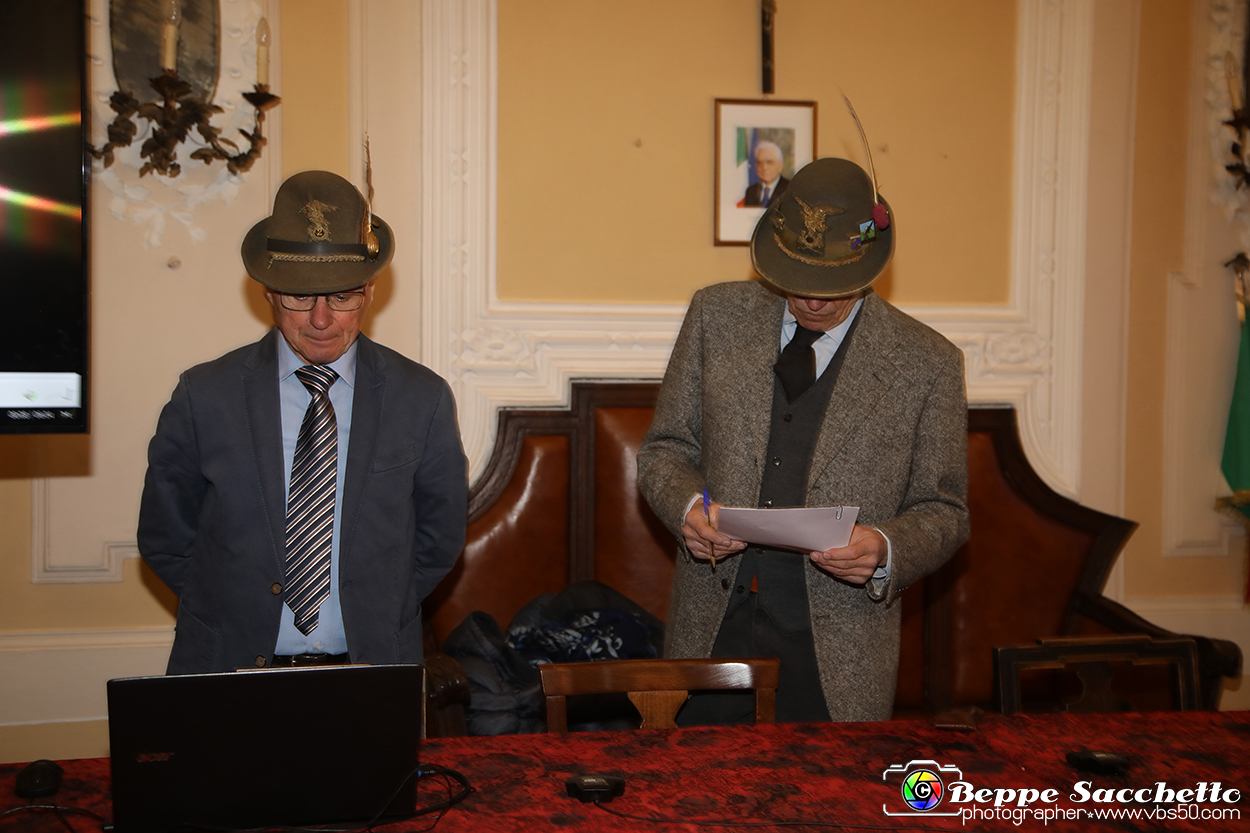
(60, 677)
(1202, 327)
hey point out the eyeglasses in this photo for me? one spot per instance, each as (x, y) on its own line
(337, 301)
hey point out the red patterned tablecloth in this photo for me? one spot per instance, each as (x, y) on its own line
(832, 773)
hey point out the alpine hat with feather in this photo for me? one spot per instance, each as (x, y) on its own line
(321, 238)
(829, 235)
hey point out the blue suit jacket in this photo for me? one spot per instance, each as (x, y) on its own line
(752, 196)
(212, 522)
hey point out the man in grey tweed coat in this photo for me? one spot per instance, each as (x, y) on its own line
(882, 426)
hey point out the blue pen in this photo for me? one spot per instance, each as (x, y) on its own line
(707, 513)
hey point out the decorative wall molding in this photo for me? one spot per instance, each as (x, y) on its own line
(1202, 327)
(155, 637)
(102, 566)
(1029, 353)
(494, 353)
(60, 677)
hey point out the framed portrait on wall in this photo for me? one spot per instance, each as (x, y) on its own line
(759, 146)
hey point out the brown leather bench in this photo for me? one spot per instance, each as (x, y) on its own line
(558, 503)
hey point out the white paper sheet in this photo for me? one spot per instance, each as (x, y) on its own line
(807, 529)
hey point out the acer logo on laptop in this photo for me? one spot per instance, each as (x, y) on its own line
(148, 757)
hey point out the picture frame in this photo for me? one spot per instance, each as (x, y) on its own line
(786, 128)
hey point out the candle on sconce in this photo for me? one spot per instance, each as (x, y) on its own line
(262, 53)
(169, 37)
(1231, 73)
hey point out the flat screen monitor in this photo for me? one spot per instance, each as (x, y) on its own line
(43, 198)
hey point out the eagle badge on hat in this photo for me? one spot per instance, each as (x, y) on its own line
(318, 228)
(830, 235)
(302, 248)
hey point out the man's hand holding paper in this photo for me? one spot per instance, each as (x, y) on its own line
(858, 560)
(829, 534)
(702, 538)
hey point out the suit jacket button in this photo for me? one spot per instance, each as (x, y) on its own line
(260, 662)
(275, 589)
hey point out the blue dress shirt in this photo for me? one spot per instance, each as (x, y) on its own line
(328, 637)
(826, 345)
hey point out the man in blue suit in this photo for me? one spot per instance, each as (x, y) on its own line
(769, 161)
(305, 493)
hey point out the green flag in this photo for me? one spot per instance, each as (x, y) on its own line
(1236, 462)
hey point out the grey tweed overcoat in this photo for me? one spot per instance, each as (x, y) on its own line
(893, 442)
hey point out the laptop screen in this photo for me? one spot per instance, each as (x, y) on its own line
(264, 748)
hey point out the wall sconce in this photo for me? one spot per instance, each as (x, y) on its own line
(182, 105)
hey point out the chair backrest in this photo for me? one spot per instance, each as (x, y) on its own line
(1092, 657)
(657, 687)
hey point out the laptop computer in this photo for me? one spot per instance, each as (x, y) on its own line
(264, 748)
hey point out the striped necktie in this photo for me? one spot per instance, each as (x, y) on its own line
(310, 508)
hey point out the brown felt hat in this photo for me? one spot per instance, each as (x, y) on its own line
(316, 241)
(825, 237)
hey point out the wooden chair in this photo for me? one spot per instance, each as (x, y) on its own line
(657, 687)
(1092, 657)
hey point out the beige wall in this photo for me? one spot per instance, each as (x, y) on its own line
(1158, 248)
(314, 86)
(606, 123)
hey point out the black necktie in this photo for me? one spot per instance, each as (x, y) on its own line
(797, 366)
(310, 508)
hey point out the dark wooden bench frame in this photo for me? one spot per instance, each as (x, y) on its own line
(557, 478)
